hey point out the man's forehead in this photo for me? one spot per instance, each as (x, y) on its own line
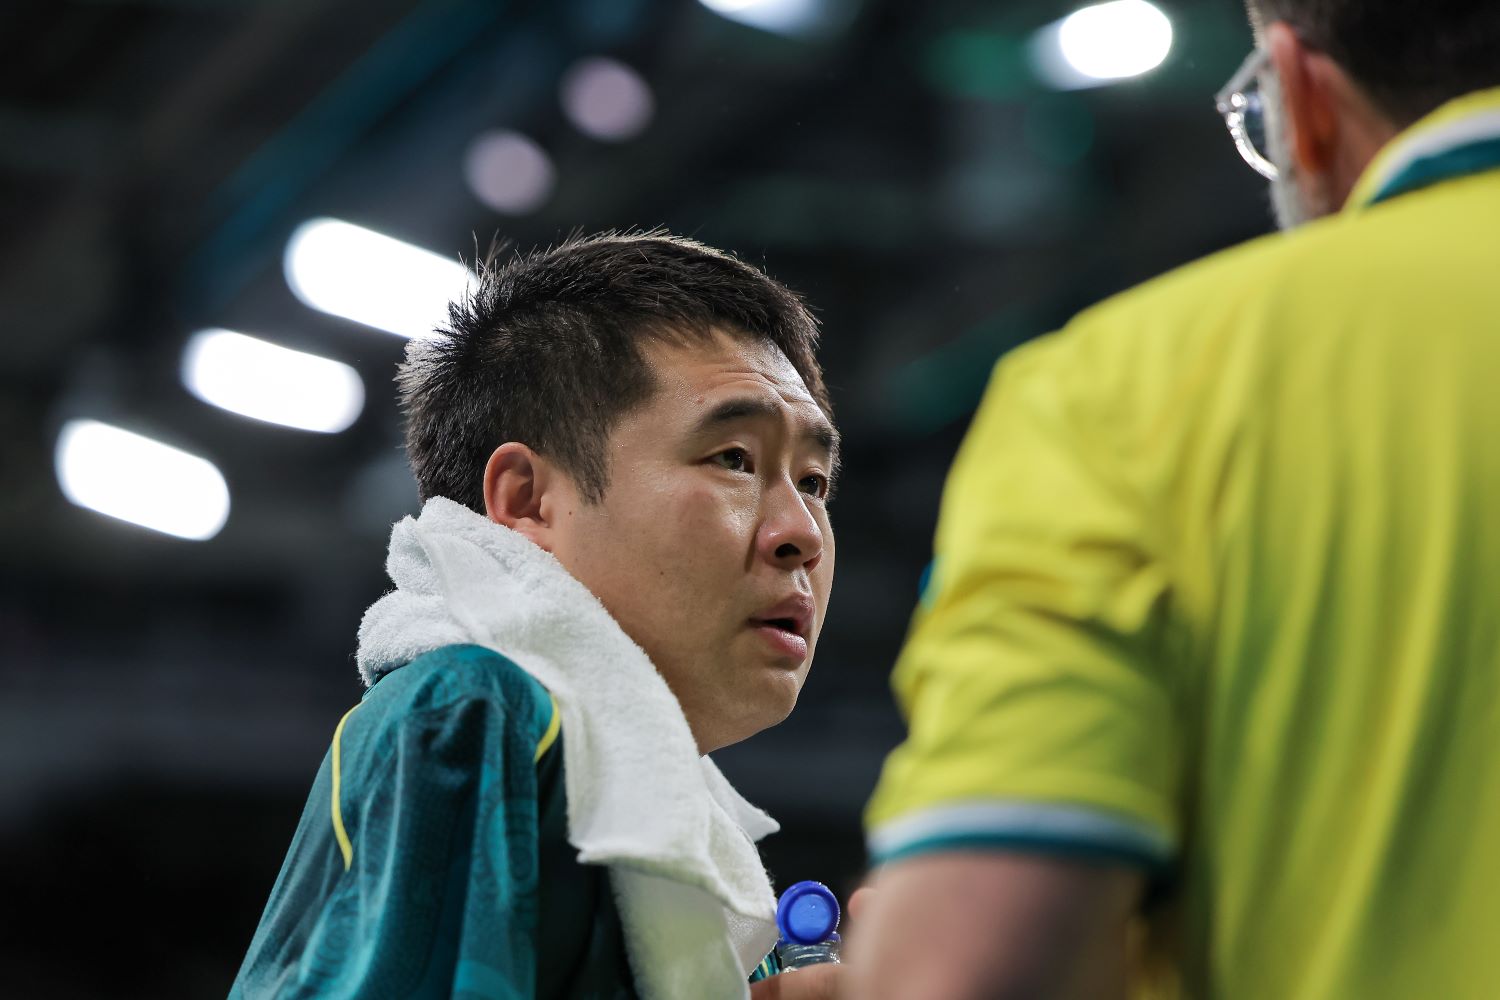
(723, 365)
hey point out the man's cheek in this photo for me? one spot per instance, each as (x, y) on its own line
(708, 511)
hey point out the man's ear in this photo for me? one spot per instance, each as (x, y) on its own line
(520, 492)
(1311, 88)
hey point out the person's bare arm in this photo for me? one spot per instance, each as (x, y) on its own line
(992, 926)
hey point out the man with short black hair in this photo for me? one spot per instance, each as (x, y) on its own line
(1202, 693)
(625, 451)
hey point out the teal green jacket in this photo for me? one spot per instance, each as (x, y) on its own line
(432, 857)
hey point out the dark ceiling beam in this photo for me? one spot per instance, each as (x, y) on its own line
(253, 202)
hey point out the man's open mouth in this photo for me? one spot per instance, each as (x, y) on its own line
(792, 615)
(785, 624)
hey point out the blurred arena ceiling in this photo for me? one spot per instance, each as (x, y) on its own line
(909, 174)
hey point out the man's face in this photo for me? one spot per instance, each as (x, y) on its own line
(712, 547)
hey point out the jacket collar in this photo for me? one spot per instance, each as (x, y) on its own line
(1458, 139)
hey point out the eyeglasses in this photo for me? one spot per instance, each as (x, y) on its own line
(1244, 110)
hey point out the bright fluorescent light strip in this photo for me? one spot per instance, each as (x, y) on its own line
(786, 17)
(140, 480)
(371, 278)
(257, 379)
(1102, 44)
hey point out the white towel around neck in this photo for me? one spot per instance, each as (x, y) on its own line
(695, 902)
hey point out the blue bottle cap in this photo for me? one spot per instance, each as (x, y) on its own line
(807, 913)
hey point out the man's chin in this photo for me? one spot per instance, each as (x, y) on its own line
(766, 703)
(776, 695)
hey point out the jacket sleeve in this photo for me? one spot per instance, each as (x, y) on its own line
(1038, 680)
(416, 873)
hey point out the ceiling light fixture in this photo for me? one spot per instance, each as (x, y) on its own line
(265, 381)
(606, 99)
(374, 279)
(1102, 44)
(140, 480)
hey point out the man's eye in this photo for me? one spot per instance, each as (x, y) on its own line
(733, 459)
(814, 485)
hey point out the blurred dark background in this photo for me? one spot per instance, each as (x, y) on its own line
(910, 167)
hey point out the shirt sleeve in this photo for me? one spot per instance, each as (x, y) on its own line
(1038, 698)
(416, 873)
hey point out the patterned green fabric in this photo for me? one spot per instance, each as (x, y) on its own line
(768, 967)
(461, 882)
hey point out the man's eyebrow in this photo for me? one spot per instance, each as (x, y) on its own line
(820, 432)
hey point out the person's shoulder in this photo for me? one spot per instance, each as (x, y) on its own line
(1169, 345)
(454, 675)
(1211, 292)
(1212, 313)
(1284, 280)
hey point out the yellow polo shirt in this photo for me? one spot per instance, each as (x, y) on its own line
(1217, 592)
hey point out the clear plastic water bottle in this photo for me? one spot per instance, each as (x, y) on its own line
(808, 918)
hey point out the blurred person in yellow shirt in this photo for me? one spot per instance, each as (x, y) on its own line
(1207, 675)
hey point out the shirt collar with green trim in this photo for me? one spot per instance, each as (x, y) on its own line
(1460, 138)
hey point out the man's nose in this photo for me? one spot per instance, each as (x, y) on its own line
(789, 535)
